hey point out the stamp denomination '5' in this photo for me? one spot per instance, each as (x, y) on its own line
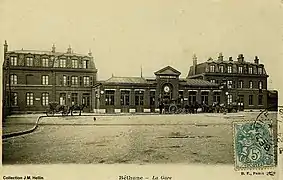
(253, 145)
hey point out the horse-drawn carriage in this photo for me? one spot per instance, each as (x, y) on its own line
(178, 106)
(55, 107)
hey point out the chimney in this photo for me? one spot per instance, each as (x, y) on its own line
(53, 48)
(90, 53)
(256, 61)
(5, 47)
(69, 51)
(230, 59)
(195, 61)
(220, 57)
(240, 58)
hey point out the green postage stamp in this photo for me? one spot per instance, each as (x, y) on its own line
(253, 145)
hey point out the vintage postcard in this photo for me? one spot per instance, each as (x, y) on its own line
(141, 90)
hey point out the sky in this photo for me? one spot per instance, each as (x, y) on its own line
(127, 34)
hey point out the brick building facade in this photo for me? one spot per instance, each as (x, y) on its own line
(32, 79)
(246, 81)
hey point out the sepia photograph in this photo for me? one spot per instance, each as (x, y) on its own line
(142, 83)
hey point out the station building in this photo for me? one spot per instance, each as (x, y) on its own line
(33, 78)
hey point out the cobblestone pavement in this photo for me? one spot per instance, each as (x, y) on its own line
(198, 138)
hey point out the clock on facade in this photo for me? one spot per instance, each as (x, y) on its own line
(166, 89)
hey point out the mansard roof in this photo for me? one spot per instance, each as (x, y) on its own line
(50, 53)
(197, 82)
(168, 70)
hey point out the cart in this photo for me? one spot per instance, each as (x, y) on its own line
(55, 107)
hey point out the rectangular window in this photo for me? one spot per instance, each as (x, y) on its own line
(251, 100)
(229, 84)
(14, 61)
(62, 99)
(260, 70)
(86, 81)
(74, 98)
(85, 64)
(229, 69)
(45, 99)
(125, 98)
(229, 99)
(29, 97)
(14, 79)
(250, 70)
(152, 98)
(240, 69)
(192, 97)
(86, 99)
(45, 62)
(74, 63)
(45, 79)
(64, 80)
(62, 62)
(14, 99)
(204, 98)
(109, 97)
(139, 98)
(260, 85)
(251, 84)
(29, 61)
(212, 68)
(216, 97)
(212, 80)
(74, 80)
(241, 84)
(221, 69)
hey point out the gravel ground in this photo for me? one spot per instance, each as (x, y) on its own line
(199, 138)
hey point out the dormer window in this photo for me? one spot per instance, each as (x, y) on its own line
(229, 69)
(29, 61)
(85, 64)
(45, 62)
(260, 70)
(212, 68)
(240, 69)
(62, 62)
(14, 61)
(221, 68)
(250, 70)
(74, 63)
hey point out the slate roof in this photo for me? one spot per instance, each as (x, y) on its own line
(48, 53)
(127, 80)
(168, 70)
(197, 82)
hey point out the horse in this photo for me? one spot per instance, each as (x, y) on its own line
(79, 107)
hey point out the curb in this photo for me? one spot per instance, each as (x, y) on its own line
(19, 133)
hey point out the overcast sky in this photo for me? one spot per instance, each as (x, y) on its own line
(126, 34)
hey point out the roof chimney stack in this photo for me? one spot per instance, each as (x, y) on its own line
(256, 61)
(220, 57)
(240, 58)
(69, 51)
(53, 48)
(195, 62)
(5, 47)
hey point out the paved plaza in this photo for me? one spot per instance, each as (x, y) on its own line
(138, 139)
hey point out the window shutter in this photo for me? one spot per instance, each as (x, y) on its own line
(61, 80)
(81, 81)
(90, 80)
(68, 80)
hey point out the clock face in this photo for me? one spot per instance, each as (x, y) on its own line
(166, 89)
